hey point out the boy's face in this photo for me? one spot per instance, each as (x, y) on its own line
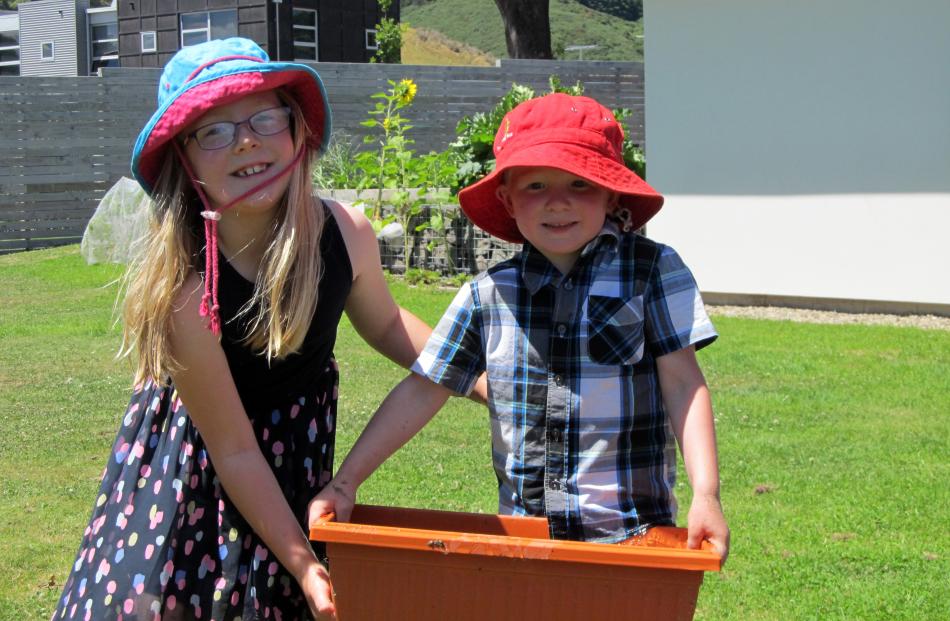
(559, 213)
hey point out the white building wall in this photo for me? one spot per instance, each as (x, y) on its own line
(59, 21)
(804, 147)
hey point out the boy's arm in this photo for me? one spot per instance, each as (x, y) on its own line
(687, 402)
(407, 409)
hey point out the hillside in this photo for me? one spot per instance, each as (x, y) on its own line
(626, 9)
(478, 23)
(421, 46)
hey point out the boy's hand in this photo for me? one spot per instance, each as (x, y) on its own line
(706, 521)
(337, 497)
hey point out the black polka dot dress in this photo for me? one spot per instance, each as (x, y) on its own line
(164, 541)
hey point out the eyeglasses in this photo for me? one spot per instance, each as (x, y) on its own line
(223, 133)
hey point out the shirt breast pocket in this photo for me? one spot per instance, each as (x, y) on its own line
(615, 330)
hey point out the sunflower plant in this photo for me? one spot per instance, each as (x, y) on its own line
(394, 165)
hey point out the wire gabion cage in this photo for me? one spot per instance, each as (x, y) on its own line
(457, 247)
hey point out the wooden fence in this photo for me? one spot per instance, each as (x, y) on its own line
(65, 141)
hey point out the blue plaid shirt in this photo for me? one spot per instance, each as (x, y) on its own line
(579, 433)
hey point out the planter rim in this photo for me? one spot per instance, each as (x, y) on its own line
(455, 542)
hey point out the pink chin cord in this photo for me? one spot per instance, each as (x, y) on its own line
(209, 300)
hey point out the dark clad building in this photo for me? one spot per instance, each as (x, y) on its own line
(151, 31)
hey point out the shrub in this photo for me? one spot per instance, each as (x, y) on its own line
(417, 276)
(388, 37)
(472, 149)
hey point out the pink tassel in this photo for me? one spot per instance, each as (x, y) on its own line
(212, 241)
(204, 309)
(209, 300)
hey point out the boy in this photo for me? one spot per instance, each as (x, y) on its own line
(588, 339)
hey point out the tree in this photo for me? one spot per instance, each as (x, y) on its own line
(527, 28)
(388, 37)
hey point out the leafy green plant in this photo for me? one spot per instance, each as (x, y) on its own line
(555, 86)
(393, 165)
(420, 276)
(633, 155)
(336, 167)
(388, 37)
(417, 276)
(472, 148)
(439, 171)
(456, 280)
(387, 166)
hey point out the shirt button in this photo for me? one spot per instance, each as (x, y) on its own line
(568, 285)
(561, 329)
(556, 436)
(558, 381)
(555, 485)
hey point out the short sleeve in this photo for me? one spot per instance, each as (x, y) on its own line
(453, 356)
(675, 315)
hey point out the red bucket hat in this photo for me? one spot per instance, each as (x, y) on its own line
(570, 133)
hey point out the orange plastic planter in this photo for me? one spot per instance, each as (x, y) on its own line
(392, 563)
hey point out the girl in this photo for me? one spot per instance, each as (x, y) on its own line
(231, 313)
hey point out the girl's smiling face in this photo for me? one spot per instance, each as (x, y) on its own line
(251, 159)
(559, 213)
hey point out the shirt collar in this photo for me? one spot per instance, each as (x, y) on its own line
(537, 271)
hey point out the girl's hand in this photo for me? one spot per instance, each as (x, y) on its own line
(337, 497)
(706, 521)
(316, 587)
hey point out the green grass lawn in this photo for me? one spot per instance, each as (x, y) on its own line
(834, 443)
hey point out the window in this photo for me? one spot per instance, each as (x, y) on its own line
(46, 50)
(10, 38)
(200, 27)
(305, 34)
(371, 39)
(10, 52)
(148, 41)
(104, 41)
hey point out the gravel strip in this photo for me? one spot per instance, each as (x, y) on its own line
(927, 322)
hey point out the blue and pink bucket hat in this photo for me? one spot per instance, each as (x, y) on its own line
(201, 77)
(205, 76)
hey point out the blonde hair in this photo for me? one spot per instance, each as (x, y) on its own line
(285, 290)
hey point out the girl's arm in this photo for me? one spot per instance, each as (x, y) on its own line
(407, 409)
(393, 331)
(208, 391)
(686, 398)
(388, 328)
